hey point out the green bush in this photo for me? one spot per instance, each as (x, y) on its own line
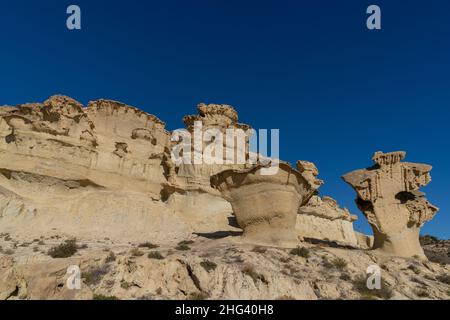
(64, 250)
(208, 265)
(339, 263)
(444, 278)
(251, 272)
(155, 255)
(136, 252)
(301, 252)
(111, 257)
(148, 245)
(198, 296)
(183, 247)
(259, 249)
(103, 297)
(94, 276)
(422, 293)
(125, 285)
(345, 277)
(360, 285)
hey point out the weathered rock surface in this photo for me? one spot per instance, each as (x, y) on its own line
(106, 169)
(104, 174)
(323, 219)
(213, 269)
(91, 172)
(266, 205)
(388, 194)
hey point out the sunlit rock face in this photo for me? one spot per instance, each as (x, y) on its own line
(266, 205)
(107, 144)
(106, 170)
(205, 159)
(323, 219)
(388, 194)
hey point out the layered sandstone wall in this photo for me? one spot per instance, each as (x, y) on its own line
(105, 170)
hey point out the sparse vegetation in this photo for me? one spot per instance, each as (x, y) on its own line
(427, 239)
(64, 250)
(41, 242)
(103, 297)
(251, 272)
(208, 265)
(25, 244)
(125, 285)
(339, 263)
(111, 257)
(345, 277)
(198, 296)
(414, 269)
(326, 263)
(286, 298)
(259, 249)
(35, 249)
(186, 242)
(109, 283)
(429, 277)
(7, 251)
(136, 252)
(155, 255)
(360, 285)
(444, 278)
(422, 293)
(94, 275)
(148, 245)
(182, 247)
(301, 252)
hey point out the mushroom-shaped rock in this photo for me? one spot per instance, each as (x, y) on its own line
(388, 196)
(265, 206)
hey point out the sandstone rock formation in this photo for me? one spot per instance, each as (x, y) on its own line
(95, 171)
(105, 174)
(266, 205)
(388, 194)
(107, 168)
(322, 218)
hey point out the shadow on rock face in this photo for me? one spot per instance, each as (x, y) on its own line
(328, 243)
(220, 234)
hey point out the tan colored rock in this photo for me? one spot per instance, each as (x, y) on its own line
(323, 219)
(364, 241)
(266, 205)
(98, 171)
(193, 176)
(389, 196)
(106, 169)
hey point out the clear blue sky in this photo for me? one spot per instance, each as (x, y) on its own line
(337, 91)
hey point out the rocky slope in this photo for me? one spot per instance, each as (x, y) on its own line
(203, 268)
(436, 250)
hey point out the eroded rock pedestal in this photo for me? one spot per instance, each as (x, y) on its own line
(388, 194)
(266, 205)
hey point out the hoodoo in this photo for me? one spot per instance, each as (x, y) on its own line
(388, 194)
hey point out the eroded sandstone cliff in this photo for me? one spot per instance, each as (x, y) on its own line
(105, 170)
